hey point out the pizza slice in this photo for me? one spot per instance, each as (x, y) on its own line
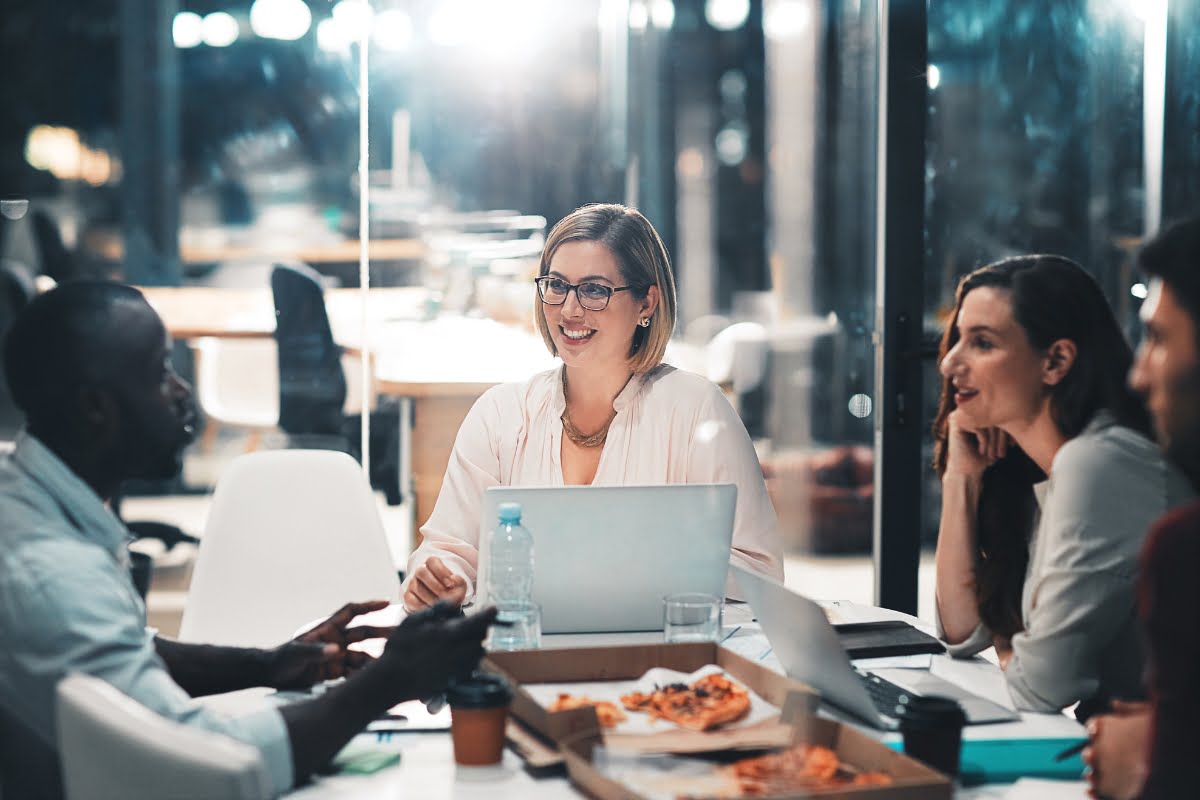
(608, 713)
(707, 703)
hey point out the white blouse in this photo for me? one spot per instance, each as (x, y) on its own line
(671, 426)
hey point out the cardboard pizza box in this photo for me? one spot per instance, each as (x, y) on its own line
(912, 780)
(625, 663)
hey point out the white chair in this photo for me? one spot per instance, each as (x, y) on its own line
(237, 384)
(291, 536)
(111, 746)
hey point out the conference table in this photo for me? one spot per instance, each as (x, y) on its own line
(435, 365)
(426, 766)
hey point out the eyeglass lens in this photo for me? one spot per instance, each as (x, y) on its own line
(592, 296)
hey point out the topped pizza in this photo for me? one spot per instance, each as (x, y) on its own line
(708, 702)
(799, 768)
(607, 713)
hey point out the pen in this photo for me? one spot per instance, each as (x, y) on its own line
(1072, 750)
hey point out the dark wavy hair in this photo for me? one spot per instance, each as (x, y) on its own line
(1052, 298)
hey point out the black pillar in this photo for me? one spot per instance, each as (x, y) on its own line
(150, 142)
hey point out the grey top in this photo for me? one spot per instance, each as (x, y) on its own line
(67, 605)
(1106, 486)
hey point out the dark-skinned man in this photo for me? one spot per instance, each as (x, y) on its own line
(89, 365)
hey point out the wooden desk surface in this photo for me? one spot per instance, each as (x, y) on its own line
(190, 312)
(111, 247)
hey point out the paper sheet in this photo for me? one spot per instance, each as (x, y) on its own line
(638, 723)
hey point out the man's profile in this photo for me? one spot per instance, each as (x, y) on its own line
(89, 365)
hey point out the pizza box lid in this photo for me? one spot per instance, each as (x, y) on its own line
(912, 779)
(575, 665)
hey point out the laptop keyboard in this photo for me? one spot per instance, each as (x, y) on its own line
(888, 698)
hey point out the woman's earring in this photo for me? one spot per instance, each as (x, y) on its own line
(644, 322)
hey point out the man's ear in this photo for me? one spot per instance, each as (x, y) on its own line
(1060, 357)
(97, 409)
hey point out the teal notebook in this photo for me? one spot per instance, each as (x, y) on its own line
(1005, 760)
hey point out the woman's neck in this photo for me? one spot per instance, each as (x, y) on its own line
(590, 391)
(1039, 437)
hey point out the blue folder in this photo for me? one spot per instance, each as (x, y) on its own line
(1006, 760)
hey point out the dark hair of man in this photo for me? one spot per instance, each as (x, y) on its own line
(1173, 256)
(1052, 298)
(57, 344)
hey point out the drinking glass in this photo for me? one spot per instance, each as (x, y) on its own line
(691, 617)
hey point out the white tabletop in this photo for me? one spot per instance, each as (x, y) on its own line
(426, 767)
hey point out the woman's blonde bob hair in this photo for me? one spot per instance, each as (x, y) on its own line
(643, 260)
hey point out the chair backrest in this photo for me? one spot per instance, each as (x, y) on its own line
(237, 380)
(291, 536)
(111, 745)
(57, 260)
(312, 385)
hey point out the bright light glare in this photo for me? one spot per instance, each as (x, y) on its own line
(860, 405)
(727, 15)
(352, 16)
(662, 14)
(219, 29)
(1147, 9)
(510, 28)
(639, 16)
(784, 19)
(331, 37)
(287, 20)
(186, 29)
(934, 76)
(392, 30)
(1139, 291)
(731, 144)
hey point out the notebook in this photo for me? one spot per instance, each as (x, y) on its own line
(809, 650)
(604, 556)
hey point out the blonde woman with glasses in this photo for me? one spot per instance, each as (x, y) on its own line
(612, 414)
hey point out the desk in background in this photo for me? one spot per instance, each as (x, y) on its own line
(436, 368)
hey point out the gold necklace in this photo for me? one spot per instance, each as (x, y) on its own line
(574, 434)
(580, 438)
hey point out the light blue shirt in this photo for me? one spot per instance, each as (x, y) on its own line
(67, 605)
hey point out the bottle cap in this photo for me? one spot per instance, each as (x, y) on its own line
(480, 690)
(510, 512)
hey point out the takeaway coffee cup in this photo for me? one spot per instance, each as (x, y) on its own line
(932, 729)
(478, 712)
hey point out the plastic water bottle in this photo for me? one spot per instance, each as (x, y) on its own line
(510, 563)
(510, 583)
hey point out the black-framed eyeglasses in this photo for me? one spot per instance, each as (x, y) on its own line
(592, 296)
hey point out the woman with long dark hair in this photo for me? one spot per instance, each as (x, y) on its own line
(1049, 482)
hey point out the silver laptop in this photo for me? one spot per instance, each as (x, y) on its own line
(604, 556)
(809, 650)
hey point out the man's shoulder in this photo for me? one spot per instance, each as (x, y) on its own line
(1176, 535)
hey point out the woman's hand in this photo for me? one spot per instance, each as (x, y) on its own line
(972, 450)
(434, 581)
(1117, 750)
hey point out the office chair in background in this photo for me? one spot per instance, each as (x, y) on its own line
(113, 746)
(312, 381)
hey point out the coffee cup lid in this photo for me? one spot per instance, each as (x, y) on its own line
(932, 711)
(480, 690)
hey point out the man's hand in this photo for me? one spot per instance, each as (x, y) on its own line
(322, 652)
(432, 646)
(1116, 755)
(432, 582)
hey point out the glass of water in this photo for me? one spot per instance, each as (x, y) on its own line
(518, 627)
(691, 617)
